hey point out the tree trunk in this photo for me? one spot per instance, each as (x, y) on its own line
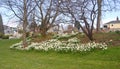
(87, 32)
(99, 3)
(24, 24)
(44, 30)
(24, 39)
(90, 36)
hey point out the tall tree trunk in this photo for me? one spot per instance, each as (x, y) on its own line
(24, 24)
(43, 32)
(99, 3)
(90, 36)
(43, 29)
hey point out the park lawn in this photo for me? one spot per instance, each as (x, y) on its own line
(14, 59)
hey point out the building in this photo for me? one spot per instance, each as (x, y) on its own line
(12, 32)
(9, 30)
(112, 25)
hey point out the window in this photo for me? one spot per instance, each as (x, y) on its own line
(105, 26)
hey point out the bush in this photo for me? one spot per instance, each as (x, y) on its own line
(118, 32)
(27, 34)
(1, 35)
(5, 37)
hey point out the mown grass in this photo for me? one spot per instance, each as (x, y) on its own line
(14, 59)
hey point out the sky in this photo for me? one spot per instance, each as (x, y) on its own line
(109, 16)
(6, 19)
(106, 17)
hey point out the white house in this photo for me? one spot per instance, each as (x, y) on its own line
(112, 25)
(13, 32)
(9, 30)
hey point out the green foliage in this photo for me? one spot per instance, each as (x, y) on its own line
(118, 32)
(36, 35)
(1, 35)
(5, 37)
(27, 34)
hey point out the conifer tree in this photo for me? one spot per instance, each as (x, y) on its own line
(1, 25)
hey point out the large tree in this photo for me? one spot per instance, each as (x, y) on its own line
(21, 9)
(48, 10)
(1, 25)
(83, 13)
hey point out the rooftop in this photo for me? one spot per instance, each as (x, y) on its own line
(111, 22)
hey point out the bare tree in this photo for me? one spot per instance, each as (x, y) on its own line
(21, 9)
(48, 12)
(83, 12)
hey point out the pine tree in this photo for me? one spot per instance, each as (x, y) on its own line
(1, 25)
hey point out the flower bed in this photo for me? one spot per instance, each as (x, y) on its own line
(72, 45)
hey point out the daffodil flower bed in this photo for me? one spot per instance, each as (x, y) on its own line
(72, 45)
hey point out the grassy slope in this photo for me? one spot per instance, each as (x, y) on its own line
(12, 59)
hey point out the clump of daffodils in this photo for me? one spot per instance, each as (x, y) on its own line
(72, 45)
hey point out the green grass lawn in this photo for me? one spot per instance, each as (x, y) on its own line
(14, 59)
